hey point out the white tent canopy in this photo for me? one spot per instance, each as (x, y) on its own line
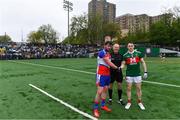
(162, 50)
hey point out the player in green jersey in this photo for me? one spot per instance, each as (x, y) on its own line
(132, 60)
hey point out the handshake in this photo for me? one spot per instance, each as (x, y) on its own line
(119, 69)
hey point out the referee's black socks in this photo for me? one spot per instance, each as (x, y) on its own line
(110, 93)
(119, 93)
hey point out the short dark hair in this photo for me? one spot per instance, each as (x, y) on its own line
(108, 42)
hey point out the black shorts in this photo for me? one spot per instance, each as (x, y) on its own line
(116, 76)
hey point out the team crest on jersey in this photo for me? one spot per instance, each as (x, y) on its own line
(132, 60)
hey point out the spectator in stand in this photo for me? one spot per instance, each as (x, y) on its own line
(31, 51)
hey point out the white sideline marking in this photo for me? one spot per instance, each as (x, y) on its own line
(158, 83)
(80, 71)
(64, 103)
(47, 66)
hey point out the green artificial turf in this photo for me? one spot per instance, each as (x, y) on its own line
(19, 101)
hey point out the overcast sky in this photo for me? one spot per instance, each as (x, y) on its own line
(27, 15)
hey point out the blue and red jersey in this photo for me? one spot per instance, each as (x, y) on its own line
(103, 68)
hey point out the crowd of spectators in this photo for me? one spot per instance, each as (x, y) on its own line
(40, 51)
(11, 51)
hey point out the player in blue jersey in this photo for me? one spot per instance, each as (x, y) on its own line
(103, 78)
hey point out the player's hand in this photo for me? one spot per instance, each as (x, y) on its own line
(145, 75)
(119, 69)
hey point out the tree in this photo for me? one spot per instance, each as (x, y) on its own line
(79, 28)
(176, 12)
(98, 29)
(113, 30)
(92, 30)
(78, 23)
(35, 37)
(164, 32)
(159, 33)
(175, 31)
(5, 38)
(140, 36)
(95, 29)
(44, 34)
(48, 34)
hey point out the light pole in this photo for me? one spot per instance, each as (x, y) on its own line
(22, 36)
(5, 36)
(68, 6)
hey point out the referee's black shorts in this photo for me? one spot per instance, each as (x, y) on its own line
(116, 76)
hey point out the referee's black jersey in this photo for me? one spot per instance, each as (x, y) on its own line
(116, 59)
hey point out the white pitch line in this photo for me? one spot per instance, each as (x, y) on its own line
(80, 71)
(64, 103)
(170, 85)
(47, 66)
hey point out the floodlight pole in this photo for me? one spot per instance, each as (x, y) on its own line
(68, 20)
(68, 6)
(5, 36)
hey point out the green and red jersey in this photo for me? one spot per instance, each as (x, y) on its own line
(133, 63)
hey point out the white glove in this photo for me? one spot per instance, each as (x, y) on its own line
(145, 75)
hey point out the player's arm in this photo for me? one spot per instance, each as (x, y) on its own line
(144, 67)
(106, 59)
(144, 64)
(123, 64)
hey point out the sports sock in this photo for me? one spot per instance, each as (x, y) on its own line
(103, 102)
(96, 105)
(119, 94)
(110, 93)
(139, 100)
(129, 100)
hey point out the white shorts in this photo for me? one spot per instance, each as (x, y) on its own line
(137, 79)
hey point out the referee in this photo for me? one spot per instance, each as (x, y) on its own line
(116, 75)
